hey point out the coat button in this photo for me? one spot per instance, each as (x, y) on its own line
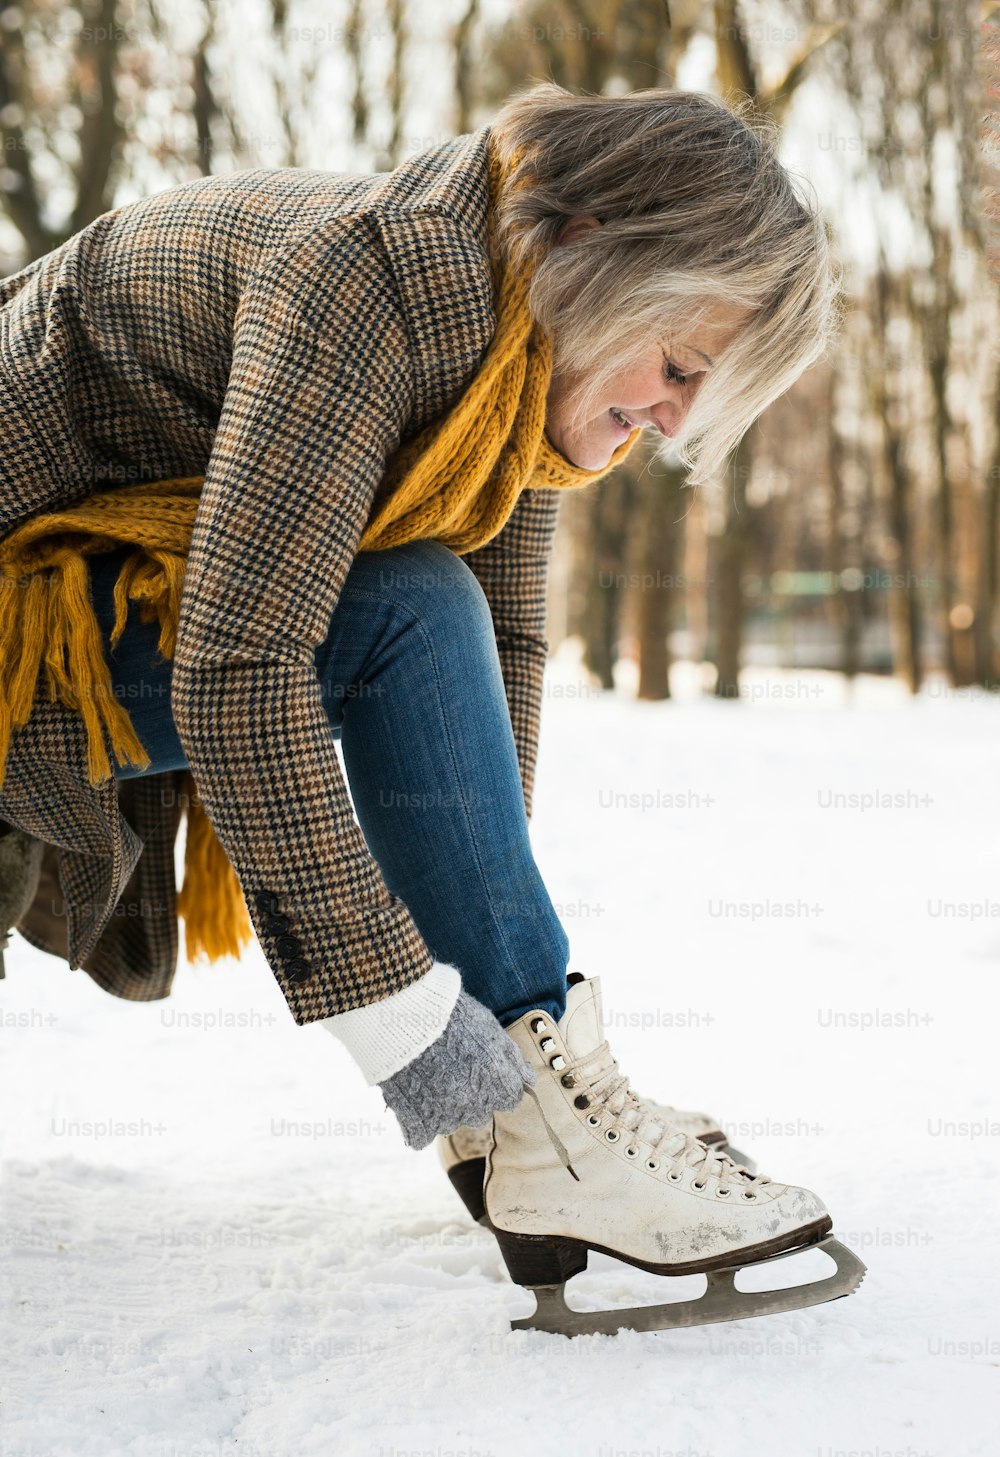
(298, 970)
(276, 923)
(266, 900)
(289, 945)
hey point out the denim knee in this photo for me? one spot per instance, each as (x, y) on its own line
(435, 585)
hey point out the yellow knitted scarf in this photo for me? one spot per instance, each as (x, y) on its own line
(456, 482)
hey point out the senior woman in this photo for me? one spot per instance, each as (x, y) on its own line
(380, 385)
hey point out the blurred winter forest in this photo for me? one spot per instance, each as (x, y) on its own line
(857, 525)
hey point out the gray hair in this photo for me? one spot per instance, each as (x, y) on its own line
(697, 212)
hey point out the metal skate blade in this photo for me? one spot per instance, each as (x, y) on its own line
(721, 1300)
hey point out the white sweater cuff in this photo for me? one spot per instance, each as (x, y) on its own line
(384, 1036)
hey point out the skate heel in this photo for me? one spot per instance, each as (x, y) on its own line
(467, 1181)
(540, 1259)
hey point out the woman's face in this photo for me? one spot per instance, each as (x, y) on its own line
(656, 392)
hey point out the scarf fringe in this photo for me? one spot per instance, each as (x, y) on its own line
(211, 900)
(48, 625)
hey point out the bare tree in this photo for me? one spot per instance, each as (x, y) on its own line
(463, 44)
(988, 159)
(206, 106)
(359, 100)
(74, 79)
(739, 76)
(91, 51)
(661, 528)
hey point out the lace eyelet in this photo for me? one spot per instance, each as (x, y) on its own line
(593, 1120)
(631, 1152)
(581, 1101)
(695, 1184)
(546, 1043)
(611, 1135)
(568, 1080)
(749, 1194)
(536, 1023)
(652, 1164)
(557, 1062)
(722, 1193)
(674, 1178)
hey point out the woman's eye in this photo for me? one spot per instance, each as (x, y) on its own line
(674, 374)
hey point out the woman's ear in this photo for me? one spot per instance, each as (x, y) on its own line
(573, 227)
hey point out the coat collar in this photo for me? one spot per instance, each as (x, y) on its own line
(450, 179)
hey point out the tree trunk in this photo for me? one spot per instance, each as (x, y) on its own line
(904, 605)
(847, 600)
(465, 67)
(989, 568)
(662, 531)
(605, 545)
(732, 553)
(205, 105)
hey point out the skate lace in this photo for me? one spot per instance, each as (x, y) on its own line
(597, 1073)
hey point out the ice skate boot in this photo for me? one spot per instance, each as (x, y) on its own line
(463, 1153)
(581, 1165)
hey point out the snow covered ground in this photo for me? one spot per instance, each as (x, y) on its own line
(256, 1265)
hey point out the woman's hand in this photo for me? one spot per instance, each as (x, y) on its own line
(441, 1058)
(471, 1071)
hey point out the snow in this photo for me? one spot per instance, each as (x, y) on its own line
(215, 1242)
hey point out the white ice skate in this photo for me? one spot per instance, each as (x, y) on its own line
(581, 1165)
(463, 1153)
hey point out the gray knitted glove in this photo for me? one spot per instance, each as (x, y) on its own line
(472, 1070)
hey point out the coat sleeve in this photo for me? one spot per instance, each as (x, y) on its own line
(319, 392)
(512, 570)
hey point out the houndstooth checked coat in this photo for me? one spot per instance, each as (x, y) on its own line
(281, 331)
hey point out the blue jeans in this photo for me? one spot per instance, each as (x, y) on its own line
(413, 689)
